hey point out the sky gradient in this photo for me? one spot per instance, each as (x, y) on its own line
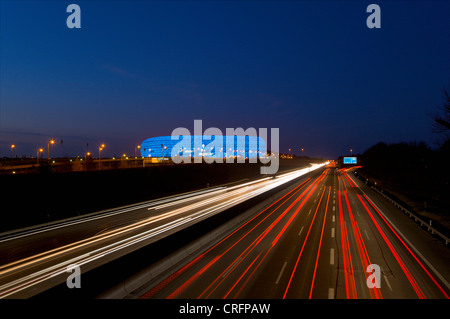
(138, 69)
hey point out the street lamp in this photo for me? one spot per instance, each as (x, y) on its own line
(137, 147)
(86, 156)
(100, 148)
(12, 146)
(48, 147)
(351, 151)
(41, 150)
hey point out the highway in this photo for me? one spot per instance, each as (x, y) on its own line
(37, 259)
(316, 241)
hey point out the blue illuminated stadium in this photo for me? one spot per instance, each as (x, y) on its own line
(232, 146)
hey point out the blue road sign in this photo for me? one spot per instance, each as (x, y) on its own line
(349, 160)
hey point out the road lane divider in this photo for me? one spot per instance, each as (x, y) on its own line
(281, 273)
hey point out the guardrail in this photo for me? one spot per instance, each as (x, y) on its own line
(417, 219)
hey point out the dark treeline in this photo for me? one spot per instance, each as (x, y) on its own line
(413, 167)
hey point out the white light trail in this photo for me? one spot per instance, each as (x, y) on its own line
(224, 199)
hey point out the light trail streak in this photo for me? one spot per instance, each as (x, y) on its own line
(303, 246)
(320, 243)
(150, 293)
(234, 196)
(350, 286)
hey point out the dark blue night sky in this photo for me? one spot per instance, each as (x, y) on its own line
(138, 69)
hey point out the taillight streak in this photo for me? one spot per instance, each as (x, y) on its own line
(413, 283)
(193, 278)
(262, 259)
(298, 208)
(350, 286)
(320, 243)
(303, 246)
(406, 246)
(255, 243)
(363, 256)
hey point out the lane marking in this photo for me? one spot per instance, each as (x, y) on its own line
(387, 281)
(301, 230)
(330, 293)
(367, 235)
(232, 266)
(332, 232)
(332, 256)
(281, 273)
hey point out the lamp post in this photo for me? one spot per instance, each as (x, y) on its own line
(12, 147)
(86, 156)
(137, 147)
(135, 156)
(48, 147)
(100, 148)
(41, 150)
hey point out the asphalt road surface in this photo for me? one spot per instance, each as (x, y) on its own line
(330, 237)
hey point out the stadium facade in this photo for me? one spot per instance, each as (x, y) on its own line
(204, 146)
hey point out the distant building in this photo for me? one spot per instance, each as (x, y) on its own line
(205, 146)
